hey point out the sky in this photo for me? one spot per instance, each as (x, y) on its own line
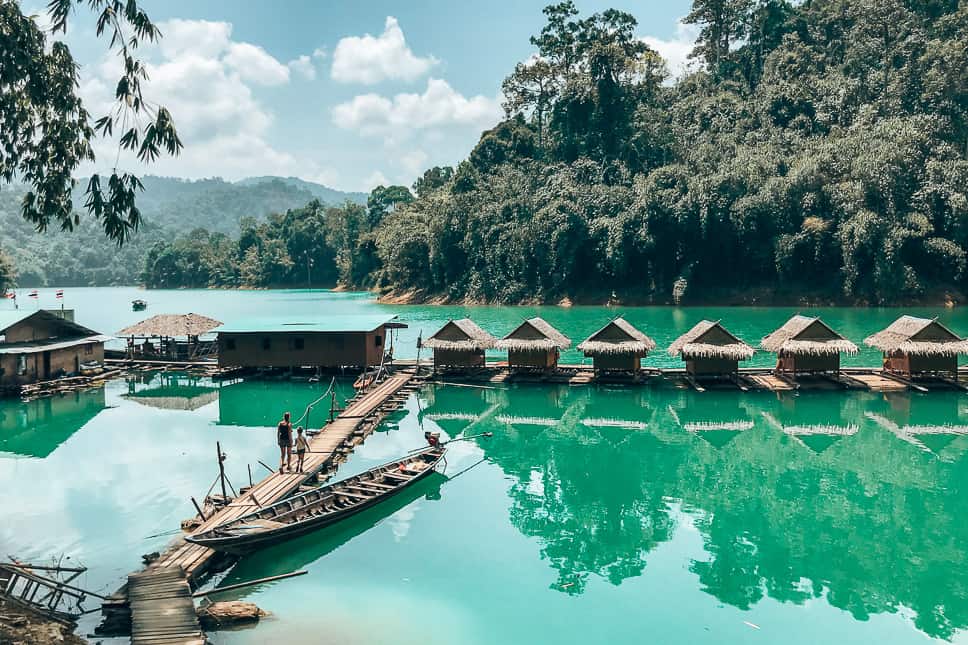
(346, 94)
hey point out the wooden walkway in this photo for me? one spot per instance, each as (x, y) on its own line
(334, 438)
(162, 609)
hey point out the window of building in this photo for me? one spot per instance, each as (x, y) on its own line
(230, 344)
(297, 343)
(22, 365)
(266, 343)
(89, 349)
(378, 341)
(3, 338)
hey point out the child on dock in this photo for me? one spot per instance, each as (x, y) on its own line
(302, 446)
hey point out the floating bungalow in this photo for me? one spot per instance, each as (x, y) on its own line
(459, 343)
(710, 351)
(805, 345)
(355, 341)
(534, 344)
(916, 347)
(170, 336)
(42, 345)
(617, 347)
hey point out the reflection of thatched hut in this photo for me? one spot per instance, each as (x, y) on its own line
(459, 343)
(919, 346)
(807, 345)
(618, 346)
(534, 344)
(710, 350)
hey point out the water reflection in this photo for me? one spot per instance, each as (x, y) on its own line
(259, 403)
(36, 428)
(867, 522)
(172, 391)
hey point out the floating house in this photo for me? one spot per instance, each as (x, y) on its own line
(534, 344)
(710, 351)
(617, 347)
(170, 336)
(42, 345)
(919, 347)
(336, 341)
(805, 345)
(459, 343)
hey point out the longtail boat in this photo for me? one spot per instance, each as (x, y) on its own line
(300, 514)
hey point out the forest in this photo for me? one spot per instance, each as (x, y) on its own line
(814, 150)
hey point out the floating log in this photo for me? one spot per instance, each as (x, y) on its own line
(228, 614)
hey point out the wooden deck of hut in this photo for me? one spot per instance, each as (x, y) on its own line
(617, 348)
(711, 353)
(170, 336)
(534, 345)
(807, 346)
(459, 344)
(919, 348)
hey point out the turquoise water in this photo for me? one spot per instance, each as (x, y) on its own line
(594, 514)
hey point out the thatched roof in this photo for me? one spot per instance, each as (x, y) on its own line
(462, 335)
(710, 339)
(172, 326)
(920, 336)
(617, 337)
(805, 335)
(534, 334)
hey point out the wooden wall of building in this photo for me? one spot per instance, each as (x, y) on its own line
(711, 366)
(453, 358)
(907, 364)
(809, 363)
(541, 358)
(623, 362)
(300, 348)
(62, 361)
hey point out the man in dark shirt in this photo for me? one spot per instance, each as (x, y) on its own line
(284, 436)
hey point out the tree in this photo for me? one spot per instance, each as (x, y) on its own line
(8, 273)
(433, 179)
(383, 199)
(47, 131)
(721, 24)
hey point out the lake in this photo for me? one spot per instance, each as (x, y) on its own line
(594, 514)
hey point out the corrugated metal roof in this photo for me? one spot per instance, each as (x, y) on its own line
(331, 324)
(32, 348)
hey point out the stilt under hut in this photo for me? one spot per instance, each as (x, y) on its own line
(459, 343)
(919, 347)
(534, 344)
(711, 352)
(618, 347)
(805, 345)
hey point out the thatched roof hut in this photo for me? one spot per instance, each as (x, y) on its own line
(617, 346)
(805, 344)
(459, 343)
(462, 335)
(171, 326)
(710, 339)
(534, 343)
(914, 346)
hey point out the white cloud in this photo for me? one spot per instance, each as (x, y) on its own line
(370, 59)
(375, 179)
(676, 50)
(303, 65)
(319, 53)
(439, 106)
(203, 38)
(254, 64)
(414, 162)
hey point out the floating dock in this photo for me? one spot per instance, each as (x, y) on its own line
(188, 563)
(162, 609)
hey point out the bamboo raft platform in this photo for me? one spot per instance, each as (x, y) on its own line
(327, 450)
(162, 609)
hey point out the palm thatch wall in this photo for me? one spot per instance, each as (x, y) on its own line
(534, 334)
(709, 339)
(918, 337)
(617, 337)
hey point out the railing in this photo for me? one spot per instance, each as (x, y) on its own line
(21, 585)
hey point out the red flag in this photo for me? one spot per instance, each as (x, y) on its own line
(11, 295)
(34, 294)
(60, 294)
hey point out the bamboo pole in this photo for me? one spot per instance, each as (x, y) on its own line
(202, 594)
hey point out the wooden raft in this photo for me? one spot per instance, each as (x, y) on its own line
(335, 436)
(162, 609)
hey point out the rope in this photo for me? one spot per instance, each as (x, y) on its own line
(309, 407)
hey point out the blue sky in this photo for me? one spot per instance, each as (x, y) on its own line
(349, 94)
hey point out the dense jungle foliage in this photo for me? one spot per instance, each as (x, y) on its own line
(816, 146)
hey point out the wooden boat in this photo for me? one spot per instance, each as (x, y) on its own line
(321, 507)
(138, 305)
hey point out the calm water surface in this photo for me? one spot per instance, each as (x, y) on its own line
(592, 515)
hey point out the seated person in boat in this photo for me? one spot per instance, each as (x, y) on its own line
(302, 446)
(284, 437)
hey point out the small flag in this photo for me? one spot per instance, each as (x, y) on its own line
(11, 295)
(60, 294)
(34, 294)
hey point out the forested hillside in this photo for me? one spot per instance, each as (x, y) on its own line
(170, 208)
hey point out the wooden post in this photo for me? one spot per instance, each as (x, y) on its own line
(221, 469)
(332, 406)
(199, 509)
(249, 466)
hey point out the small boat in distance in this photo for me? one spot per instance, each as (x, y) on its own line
(139, 305)
(300, 514)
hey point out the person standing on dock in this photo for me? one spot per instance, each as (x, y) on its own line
(284, 436)
(302, 446)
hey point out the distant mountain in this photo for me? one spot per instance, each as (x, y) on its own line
(323, 193)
